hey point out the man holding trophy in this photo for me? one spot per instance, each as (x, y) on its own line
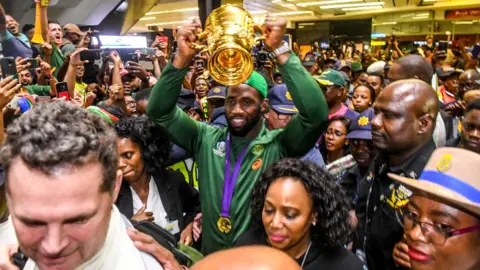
(231, 159)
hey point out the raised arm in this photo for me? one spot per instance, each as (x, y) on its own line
(3, 20)
(300, 135)
(162, 107)
(72, 71)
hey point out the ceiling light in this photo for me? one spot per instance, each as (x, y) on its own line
(353, 5)
(463, 22)
(147, 18)
(307, 23)
(432, 0)
(168, 23)
(361, 8)
(326, 2)
(288, 5)
(389, 23)
(255, 12)
(172, 11)
(420, 17)
(276, 1)
(289, 13)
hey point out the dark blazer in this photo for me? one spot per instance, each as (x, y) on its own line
(448, 120)
(177, 196)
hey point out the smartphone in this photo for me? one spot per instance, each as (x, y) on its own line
(133, 57)
(148, 51)
(443, 46)
(33, 62)
(475, 51)
(9, 68)
(91, 55)
(162, 39)
(199, 63)
(62, 90)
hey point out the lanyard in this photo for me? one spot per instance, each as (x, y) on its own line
(230, 177)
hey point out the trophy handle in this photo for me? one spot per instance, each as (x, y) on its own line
(201, 37)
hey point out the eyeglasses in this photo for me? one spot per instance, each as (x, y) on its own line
(335, 133)
(436, 234)
(282, 116)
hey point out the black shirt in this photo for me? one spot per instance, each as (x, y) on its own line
(379, 227)
(317, 257)
(350, 183)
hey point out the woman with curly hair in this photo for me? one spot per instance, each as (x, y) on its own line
(149, 191)
(300, 210)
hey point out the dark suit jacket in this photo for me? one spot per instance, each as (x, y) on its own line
(448, 120)
(177, 196)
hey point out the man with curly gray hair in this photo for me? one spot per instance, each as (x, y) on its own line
(61, 182)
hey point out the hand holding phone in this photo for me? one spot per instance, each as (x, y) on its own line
(62, 90)
(9, 67)
(33, 62)
(90, 55)
(8, 88)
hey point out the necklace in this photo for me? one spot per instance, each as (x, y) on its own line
(306, 254)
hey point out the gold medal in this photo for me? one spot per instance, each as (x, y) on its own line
(224, 225)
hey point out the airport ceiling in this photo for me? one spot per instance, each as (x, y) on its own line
(171, 14)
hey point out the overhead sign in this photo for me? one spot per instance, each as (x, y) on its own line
(123, 42)
(471, 13)
(377, 43)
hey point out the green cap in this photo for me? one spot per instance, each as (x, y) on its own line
(258, 82)
(331, 77)
(356, 67)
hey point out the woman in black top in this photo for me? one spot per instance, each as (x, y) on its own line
(149, 191)
(299, 209)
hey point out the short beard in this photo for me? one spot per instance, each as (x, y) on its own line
(248, 126)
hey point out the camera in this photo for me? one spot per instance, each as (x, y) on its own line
(262, 56)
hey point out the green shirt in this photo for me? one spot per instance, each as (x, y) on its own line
(207, 143)
(39, 90)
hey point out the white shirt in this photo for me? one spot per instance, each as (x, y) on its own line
(154, 204)
(7, 233)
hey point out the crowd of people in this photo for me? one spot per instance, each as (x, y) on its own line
(328, 160)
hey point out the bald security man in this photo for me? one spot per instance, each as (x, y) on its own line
(468, 80)
(416, 67)
(247, 258)
(405, 117)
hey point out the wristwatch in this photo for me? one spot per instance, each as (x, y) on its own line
(284, 49)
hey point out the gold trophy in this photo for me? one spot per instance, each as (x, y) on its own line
(230, 36)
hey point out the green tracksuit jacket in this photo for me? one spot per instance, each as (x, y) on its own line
(207, 143)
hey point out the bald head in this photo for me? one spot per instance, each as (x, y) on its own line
(470, 75)
(405, 116)
(419, 94)
(247, 258)
(411, 67)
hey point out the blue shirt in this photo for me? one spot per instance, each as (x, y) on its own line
(314, 156)
(15, 46)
